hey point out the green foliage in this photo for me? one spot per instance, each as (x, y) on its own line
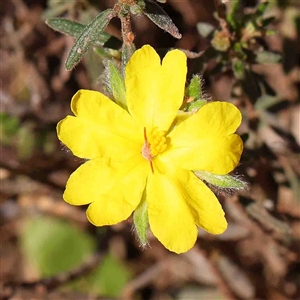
(88, 37)
(54, 246)
(75, 29)
(158, 16)
(93, 35)
(237, 44)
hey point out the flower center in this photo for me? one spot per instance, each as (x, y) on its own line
(155, 143)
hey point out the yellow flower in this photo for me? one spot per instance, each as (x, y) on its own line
(132, 152)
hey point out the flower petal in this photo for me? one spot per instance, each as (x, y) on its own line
(100, 128)
(121, 200)
(97, 177)
(207, 211)
(171, 219)
(154, 92)
(205, 141)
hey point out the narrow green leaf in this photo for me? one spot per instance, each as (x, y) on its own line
(74, 29)
(233, 15)
(159, 17)
(221, 181)
(117, 85)
(88, 37)
(65, 26)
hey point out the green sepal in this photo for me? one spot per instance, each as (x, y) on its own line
(141, 222)
(88, 37)
(159, 17)
(221, 181)
(117, 85)
(196, 105)
(194, 90)
(74, 29)
(194, 94)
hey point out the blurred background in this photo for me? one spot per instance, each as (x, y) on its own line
(48, 248)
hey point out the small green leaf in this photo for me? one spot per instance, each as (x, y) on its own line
(117, 85)
(65, 26)
(88, 37)
(159, 17)
(232, 17)
(54, 246)
(74, 29)
(141, 223)
(221, 181)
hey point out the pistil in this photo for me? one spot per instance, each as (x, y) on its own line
(146, 150)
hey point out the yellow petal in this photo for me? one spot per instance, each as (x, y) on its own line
(154, 92)
(100, 128)
(205, 141)
(207, 211)
(120, 201)
(170, 217)
(97, 177)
